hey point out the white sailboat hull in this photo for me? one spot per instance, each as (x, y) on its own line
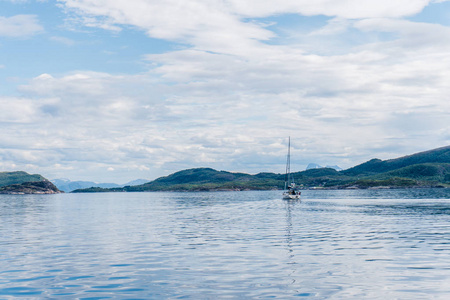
(287, 196)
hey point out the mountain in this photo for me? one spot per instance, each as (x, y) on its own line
(203, 179)
(425, 169)
(201, 175)
(428, 168)
(18, 177)
(136, 182)
(210, 179)
(316, 166)
(336, 167)
(376, 166)
(313, 166)
(67, 185)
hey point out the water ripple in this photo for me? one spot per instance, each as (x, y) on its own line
(330, 245)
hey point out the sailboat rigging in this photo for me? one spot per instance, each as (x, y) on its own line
(291, 191)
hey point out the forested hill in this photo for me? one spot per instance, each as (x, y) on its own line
(424, 169)
(18, 177)
(20, 182)
(376, 166)
(209, 179)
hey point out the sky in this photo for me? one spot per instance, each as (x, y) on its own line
(115, 90)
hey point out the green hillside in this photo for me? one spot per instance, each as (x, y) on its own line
(423, 174)
(18, 177)
(428, 168)
(424, 169)
(376, 166)
(200, 179)
(201, 175)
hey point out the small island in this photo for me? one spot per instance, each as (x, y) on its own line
(20, 183)
(37, 187)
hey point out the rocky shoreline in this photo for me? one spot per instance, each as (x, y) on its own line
(36, 187)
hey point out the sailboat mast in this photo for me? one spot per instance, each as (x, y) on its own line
(290, 190)
(288, 166)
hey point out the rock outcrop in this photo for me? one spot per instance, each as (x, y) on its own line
(35, 187)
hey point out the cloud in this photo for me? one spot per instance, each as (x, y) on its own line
(410, 34)
(17, 1)
(181, 17)
(206, 25)
(20, 26)
(17, 110)
(350, 9)
(63, 40)
(334, 26)
(223, 26)
(198, 108)
(229, 96)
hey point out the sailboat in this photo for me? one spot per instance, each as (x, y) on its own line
(291, 191)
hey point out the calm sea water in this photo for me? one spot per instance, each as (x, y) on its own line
(392, 244)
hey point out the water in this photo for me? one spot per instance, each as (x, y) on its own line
(392, 244)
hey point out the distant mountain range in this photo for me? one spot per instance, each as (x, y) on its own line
(67, 185)
(316, 166)
(424, 169)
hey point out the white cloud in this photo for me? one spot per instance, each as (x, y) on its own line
(351, 9)
(208, 25)
(219, 26)
(228, 98)
(17, 110)
(63, 40)
(198, 108)
(180, 17)
(334, 26)
(411, 34)
(17, 1)
(20, 26)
